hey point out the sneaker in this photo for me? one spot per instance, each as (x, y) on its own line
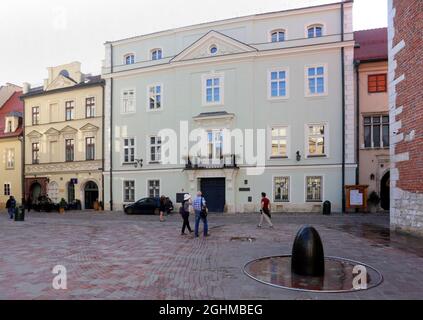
(207, 235)
(183, 234)
(259, 226)
(271, 227)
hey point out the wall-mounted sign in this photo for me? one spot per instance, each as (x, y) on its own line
(74, 181)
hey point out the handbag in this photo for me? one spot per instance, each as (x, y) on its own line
(203, 213)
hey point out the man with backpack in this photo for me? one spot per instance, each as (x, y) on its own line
(10, 206)
(200, 209)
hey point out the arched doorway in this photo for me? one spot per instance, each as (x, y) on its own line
(90, 194)
(385, 191)
(35, 191)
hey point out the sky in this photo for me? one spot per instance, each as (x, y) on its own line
(36, 34)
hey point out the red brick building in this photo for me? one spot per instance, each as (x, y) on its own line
(405, 34)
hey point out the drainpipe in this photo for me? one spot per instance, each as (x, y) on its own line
(357, 128)
(111, 128)
(102, 143)
(343, 109)
(23, 158)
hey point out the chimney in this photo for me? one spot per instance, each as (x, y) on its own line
(25, 87)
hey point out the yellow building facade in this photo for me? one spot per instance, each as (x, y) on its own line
(64, 137)
(11, 109)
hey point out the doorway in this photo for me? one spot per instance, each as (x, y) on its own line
(35, 191)
(90, 194)
(213, 190)
(385, 191)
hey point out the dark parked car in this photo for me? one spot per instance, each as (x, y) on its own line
(147, 206)
(44, 203)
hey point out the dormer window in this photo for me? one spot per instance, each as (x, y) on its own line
(64, 73)
(129, 58)
(315, 31)
(156, 54)
(9, 126)
(277, 35)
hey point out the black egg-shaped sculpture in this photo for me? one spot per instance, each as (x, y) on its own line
(307, 253)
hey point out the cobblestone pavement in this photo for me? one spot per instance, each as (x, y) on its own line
(114, 256)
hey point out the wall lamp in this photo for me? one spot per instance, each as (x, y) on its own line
(298, 156)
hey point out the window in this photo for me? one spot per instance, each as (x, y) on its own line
(278, 84)
(212, 90)
(315, 31)
(128, 101)
(314, 189)
(89, 148)
(129, 191)
(70, 109)
(153, 188)
(279, 142)
(316, 140)
(90, 107)
(9, 126)
(10, 158)
(277, 36)
(129, 150)
(156, 54)
(7, 189)
(376, 131)
(281, 189)
(377, 83)
(213, 49)
(316, 79)
(71, 192)
(155, 149)
(70, 150)
(129, 59)
(35, 115)
(155, 97)
(36, 153)
(215, 145)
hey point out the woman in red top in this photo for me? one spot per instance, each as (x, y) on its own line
(265, 210)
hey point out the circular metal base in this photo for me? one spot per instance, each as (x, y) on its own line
(275, 271)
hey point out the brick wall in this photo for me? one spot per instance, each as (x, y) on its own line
(406, 113)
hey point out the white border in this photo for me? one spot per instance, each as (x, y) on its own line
(307, 93)
(289, 189)
(269, 142)
(121, 100)
(323, 186)
(161, 94)
(123, 163)
(326, 136)
(147, 191)
(123, 191)
(269, 80)
(204, 77)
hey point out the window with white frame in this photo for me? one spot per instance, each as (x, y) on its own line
(10, 158)
(156, 54)
(128, 191)
(129, 58)
(7, 189)
(278, 84)
(90, 107)
(155, 149)
(215, 144)
(316, 80)
(277, 35)
(69, 150)
(316, 140)
(279, 142)
(376, 131)
(155, 97)
(153, 188)
(314, 189)
(128, 101)
(281, 189)
(70, 110)
(129, 150)
(315, 31)
(89, 148)
(213, 89)
(35, 153)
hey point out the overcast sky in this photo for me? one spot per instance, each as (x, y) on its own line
(36, 34)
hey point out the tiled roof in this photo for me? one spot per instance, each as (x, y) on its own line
(89, 81)
(371, 45)
(13, 106)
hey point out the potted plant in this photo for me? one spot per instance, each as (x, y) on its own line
(373, 201)
(62, 206)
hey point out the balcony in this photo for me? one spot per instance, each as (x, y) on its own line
(224, 162)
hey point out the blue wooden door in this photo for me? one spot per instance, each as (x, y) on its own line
(214, 192)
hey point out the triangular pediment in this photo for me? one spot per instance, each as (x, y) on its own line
(34, 134)
(60, 82)
(68, 129)
(52, 132)
(224, 44)
(89, 128)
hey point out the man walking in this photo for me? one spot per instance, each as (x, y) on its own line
(11, 205)
(265, 210)
(200, 209)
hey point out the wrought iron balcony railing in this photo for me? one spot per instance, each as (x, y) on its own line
(195, 163)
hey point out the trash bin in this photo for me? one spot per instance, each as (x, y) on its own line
(327, 208)
(19, 214)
